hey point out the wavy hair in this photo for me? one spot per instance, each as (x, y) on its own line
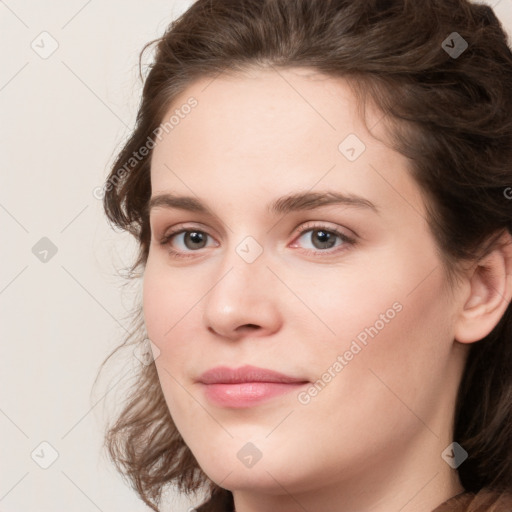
(451, 115)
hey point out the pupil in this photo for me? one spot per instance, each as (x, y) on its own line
(196, 238)
(325, 238)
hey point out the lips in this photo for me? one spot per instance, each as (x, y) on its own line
(225, 375)
(246, 386)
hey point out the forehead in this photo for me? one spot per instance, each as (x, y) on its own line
(273, 131)
(254, 107)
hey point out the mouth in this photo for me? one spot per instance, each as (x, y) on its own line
(246, 386)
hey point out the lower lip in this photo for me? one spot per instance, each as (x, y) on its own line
(247, 394)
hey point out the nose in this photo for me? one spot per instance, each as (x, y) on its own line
(242, 301)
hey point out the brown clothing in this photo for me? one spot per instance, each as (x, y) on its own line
(484, 501)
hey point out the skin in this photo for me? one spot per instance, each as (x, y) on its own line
(372, 438)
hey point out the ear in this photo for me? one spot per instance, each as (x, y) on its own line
(488, 295)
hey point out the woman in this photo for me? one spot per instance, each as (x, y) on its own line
(320, 190)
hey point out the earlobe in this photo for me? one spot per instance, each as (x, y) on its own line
(490, 292)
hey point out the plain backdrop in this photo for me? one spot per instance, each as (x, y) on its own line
(69, 91)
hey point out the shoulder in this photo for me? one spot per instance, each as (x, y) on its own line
(486, 500)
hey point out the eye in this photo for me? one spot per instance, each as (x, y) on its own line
(322, 238)
(182, 243)
(186, 240)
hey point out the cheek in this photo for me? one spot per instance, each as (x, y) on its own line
(167, 297)
(404, 357)
(390, 365)
(392, 316)
(157, 306)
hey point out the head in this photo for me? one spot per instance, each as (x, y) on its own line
(390, 306)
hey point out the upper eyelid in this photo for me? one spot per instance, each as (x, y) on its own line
(305, 225)
(299, 230)
(181, 228)
(347, 241)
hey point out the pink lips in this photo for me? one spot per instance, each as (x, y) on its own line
(245, 386)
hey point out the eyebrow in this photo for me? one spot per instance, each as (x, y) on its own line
(290, 203)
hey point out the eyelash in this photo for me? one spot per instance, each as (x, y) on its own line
(166, 239)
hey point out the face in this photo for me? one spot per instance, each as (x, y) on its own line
(342, 290)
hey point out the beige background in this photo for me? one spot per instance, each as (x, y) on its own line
(62, 118)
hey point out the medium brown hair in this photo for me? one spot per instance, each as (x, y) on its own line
(451, 116)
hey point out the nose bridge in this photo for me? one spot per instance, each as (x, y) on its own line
(242, 268)
(240, 295)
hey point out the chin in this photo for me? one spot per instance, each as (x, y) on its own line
(243, 479)
(267, 475)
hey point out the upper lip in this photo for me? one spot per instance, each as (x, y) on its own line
(247, 373)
